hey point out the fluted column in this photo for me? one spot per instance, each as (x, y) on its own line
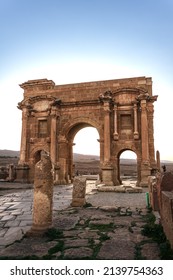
(106, 132)
(53, 149)
(136, 133)
(151, 133)
(23, 137)
(115, 123)
(107, 169)
(144, 131)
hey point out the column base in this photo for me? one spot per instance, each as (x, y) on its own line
(145, 173)
(107, 175)
(38, 230)
(136, 135)
(116, 136)
(78, 202)
(22, 173)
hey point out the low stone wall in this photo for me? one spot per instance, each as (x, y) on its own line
(167, 215)
(161, 199)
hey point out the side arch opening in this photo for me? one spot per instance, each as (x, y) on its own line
(128, 171)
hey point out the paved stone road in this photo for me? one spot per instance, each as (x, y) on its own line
(16, 210)
(110, 229)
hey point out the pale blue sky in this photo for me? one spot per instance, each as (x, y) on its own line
(77, 41)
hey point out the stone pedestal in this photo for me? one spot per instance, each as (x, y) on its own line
(11, 173)
(22, 173)
(158, 160)
(153, 193)
(145, 173)
(43, 195)
(107, 175)
(79, 190)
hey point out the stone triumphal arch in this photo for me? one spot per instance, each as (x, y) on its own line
(121, 110)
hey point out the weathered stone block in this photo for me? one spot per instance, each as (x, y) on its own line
(79, 190)
(167, 215)
(43, 195)
(153, 193)
(166, 183)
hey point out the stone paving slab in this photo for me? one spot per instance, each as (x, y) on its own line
(81, 241)
(117, 249)
(78, 253)
(110, 229)
(150, 251)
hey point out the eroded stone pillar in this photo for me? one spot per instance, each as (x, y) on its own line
(63, 160)
(11, 173)
(158, 160)
(43, 195)
(79, 190)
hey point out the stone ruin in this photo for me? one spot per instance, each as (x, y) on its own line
(43, 195)
(8, 173)
(161, 200)
(122, 111)
(79, 191)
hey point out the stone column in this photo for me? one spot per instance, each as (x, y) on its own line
(115, 123)
(11, 173)
(43, 195)
(145, 164)
(107, 169)
(23, 137)
(63, 159)
(144, 131)
(79, 190)
(70, 161)
(106, 132)
(136, 134)
(53, 144)
(151, 132)
(158, 160)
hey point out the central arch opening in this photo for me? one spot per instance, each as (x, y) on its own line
(128, 166)
(86, 152)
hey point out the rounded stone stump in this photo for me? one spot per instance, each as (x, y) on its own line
(79, 191)
(43, 195)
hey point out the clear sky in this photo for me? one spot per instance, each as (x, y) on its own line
(77, 41)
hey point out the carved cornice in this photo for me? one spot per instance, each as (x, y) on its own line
(41, 103)
(36, 85)
(127, 90)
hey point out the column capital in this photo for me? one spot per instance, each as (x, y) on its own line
(115, 106)
(54, 113)
(106, 107)
(106, 96)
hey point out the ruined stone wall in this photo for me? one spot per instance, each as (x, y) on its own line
(167, 215)
(82, 91)
(161, 199)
